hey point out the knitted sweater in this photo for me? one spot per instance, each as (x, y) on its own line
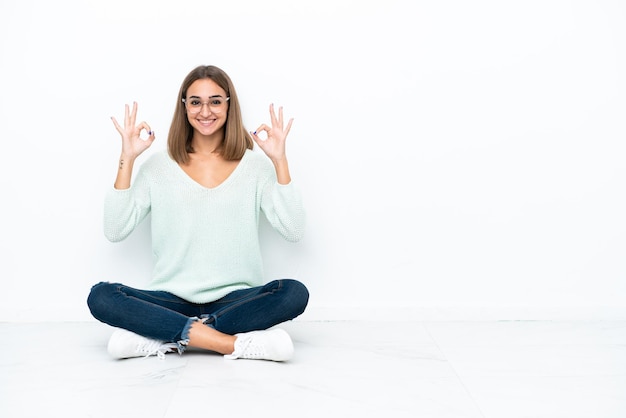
(205, 241)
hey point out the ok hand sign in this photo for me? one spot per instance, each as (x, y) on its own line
(274, 144)
(132, 143)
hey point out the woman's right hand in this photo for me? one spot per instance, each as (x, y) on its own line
(132, 143)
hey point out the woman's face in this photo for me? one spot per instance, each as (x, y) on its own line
(207, 107)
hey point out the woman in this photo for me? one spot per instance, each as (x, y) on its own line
(205, 195)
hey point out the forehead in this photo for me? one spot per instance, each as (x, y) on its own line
(205, 88)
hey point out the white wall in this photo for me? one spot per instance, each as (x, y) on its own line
(459, 159)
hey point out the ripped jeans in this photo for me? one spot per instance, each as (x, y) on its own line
(163, 316)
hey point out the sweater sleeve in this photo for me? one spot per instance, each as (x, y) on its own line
(283, 208)
(125, 209)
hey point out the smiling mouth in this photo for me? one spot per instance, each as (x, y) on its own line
(206, 122)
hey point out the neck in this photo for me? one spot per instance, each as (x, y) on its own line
(206, 145)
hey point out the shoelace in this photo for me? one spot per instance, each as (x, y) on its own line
(251, 350)
(242, 349)
(152, 347)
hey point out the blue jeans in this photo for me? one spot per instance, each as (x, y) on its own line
(166, 317)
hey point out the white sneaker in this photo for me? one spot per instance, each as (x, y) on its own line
(274, 344)
(126, 344)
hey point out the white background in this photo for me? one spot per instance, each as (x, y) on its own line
(458, 159)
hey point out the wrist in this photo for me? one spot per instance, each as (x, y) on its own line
(279, 161)
(282, 171)
(127, 156)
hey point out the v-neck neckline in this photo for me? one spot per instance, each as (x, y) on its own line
(225, 182)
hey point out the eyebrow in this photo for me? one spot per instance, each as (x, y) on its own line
(210, 97)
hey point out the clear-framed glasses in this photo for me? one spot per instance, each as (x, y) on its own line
(216, 104)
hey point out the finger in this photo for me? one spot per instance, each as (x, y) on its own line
(151, 138)
(256, 138)
(254, 135)
(262, 128)
(133, 115)
(117, 125)
(146, 127)
(273, 115)
(280, 116)
(288, 128)
(126, 115)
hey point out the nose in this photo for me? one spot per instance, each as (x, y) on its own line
(207, 107)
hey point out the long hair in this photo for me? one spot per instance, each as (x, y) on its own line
(236, 138)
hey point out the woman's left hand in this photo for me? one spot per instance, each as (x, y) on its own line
(274, 145)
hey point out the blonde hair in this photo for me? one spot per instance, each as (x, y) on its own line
(236, 138)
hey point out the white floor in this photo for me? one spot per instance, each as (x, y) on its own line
(340, 369)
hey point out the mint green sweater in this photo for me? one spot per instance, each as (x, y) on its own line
(205, 241)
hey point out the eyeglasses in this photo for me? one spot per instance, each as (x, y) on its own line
(216, 104)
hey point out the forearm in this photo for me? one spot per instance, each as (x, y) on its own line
(124, 172)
